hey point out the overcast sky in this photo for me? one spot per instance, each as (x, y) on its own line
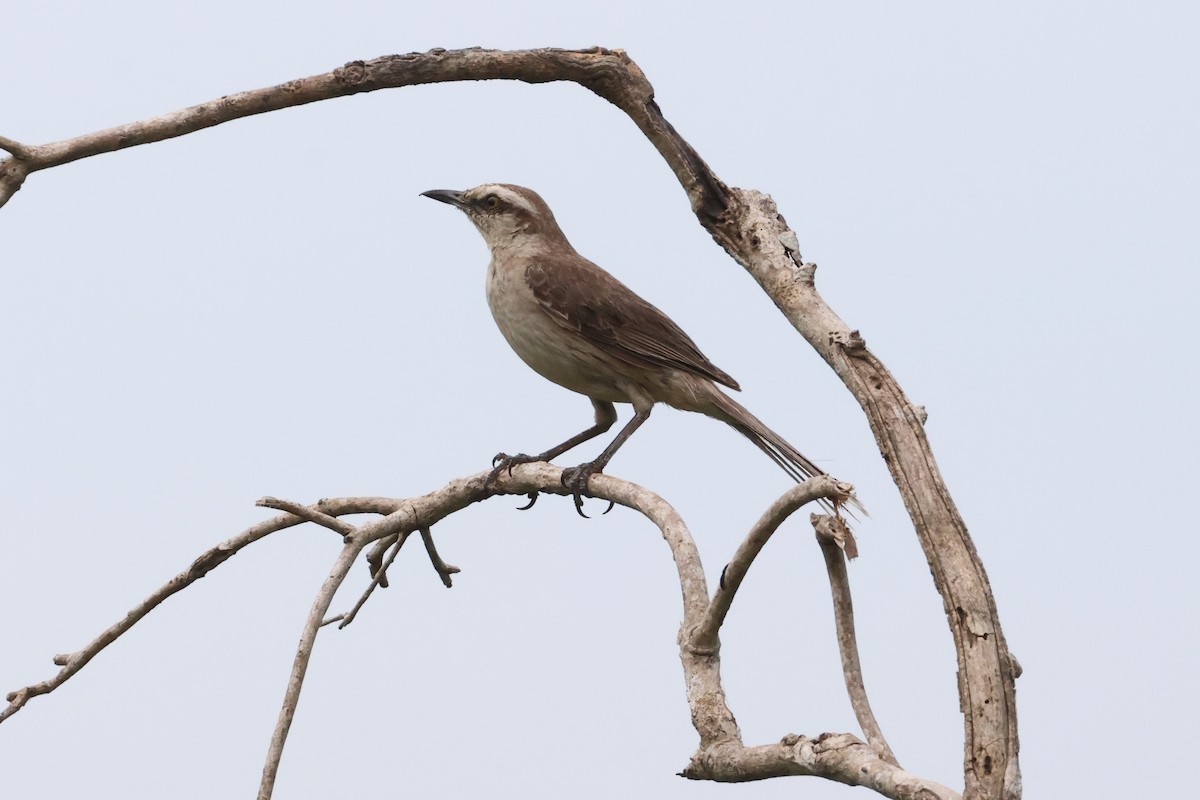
(1003, 198)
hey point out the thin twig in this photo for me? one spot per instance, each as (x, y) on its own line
(705, 635)
(378, 579)
(308, 637)
(209, 560)
(308, 513)
(831, 534)
(444, 570)
(375, 558)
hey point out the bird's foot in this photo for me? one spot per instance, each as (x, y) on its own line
(576, 479)
(503, 462)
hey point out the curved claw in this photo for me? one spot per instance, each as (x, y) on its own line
(533, 496)
(577, 481)
(503, 462)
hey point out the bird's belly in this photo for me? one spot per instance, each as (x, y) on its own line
(553, 351)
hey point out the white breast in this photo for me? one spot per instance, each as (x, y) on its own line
(554, 352)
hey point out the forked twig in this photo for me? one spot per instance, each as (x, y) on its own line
(209, 560)
(309, 513)
(375, 559)
(379, 579)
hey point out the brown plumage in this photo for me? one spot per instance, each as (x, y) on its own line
(587, 300)
(583, 329)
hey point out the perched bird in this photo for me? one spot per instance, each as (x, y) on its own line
(581, 328)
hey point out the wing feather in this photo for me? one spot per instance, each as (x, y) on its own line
(584, 298)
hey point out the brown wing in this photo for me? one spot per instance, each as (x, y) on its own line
(584, 298)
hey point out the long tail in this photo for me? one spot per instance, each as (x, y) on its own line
(791, 460)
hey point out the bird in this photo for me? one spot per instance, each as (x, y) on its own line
(581, 328)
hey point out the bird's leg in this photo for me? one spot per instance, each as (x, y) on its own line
(576, 478)
(606, 415)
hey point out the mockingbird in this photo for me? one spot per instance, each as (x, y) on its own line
(581, 328)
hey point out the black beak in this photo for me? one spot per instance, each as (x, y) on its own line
(446, 196)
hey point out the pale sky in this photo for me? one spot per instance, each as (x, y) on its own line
(1003, 198)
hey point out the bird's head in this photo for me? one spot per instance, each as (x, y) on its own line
(505, 214)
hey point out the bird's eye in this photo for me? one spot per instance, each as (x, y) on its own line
(491, 201)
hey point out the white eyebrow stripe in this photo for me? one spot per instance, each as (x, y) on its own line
(515, 198)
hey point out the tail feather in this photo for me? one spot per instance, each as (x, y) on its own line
(791, 460)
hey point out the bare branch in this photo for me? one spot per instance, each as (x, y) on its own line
(456, 495)
(375, 558)
(17, 149)
(13, 172)
(444, 570)
(308, 638)
(209, 560)
(609, 73)
(721, 755)
(401, 516)
(754, 232)
(308, 513)
(711, 717)
(834, 756)
(831, 534)
(748, 225)
(705, 636)
(72, 663)
(380, 576)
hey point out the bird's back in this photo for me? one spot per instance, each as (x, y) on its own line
(586, 300)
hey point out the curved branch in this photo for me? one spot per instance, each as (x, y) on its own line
(721, 755)
(422, 512)
(398, 517)
(748, 226)
(705, 636)
(609, 73)
(757, 236)
(711, 717)
(829, 536)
